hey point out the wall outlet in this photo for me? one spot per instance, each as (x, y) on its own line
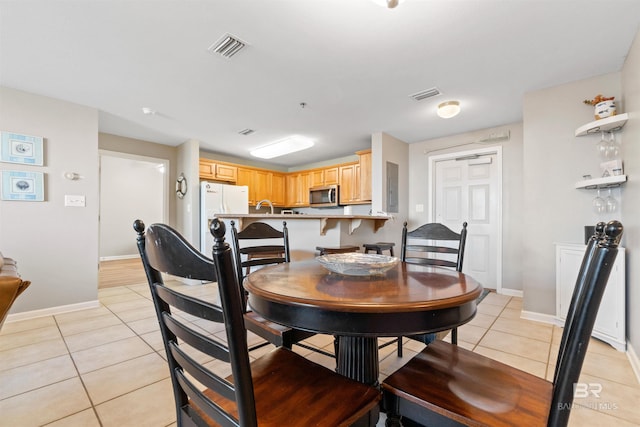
(74, 201)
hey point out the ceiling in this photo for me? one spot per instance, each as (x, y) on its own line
(351, 62)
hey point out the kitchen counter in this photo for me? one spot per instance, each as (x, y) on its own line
(326, 221)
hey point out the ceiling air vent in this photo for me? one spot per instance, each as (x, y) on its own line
(227, 46)
(429, 93)
(246, 131)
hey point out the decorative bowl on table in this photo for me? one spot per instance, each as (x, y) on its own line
(357, 264)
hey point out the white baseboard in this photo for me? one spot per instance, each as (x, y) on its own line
(539, 317)
(511, 292)
(633, 359)
(117, 257)
(25, 315)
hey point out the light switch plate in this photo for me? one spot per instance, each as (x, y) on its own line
(74, 201)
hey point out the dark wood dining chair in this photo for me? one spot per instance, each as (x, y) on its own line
(279, 388)
(276, 251)
(433, 244)
(449, 385)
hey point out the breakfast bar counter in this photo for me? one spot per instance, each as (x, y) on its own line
(307, 231)
(325, 221)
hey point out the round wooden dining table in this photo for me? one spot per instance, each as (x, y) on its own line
(407, 299)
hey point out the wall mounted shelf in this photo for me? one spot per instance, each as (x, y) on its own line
(607, 182)
(610, 124)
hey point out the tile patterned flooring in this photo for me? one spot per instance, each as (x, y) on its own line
(106, 366)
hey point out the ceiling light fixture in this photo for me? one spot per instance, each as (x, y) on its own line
(284, 146)
(388, 3)
(148, 111)
(448, 109)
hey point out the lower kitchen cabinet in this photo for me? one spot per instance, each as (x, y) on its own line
(610, 322)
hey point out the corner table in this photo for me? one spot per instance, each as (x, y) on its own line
(408, 299)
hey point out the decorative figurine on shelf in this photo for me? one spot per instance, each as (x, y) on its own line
(604, 106)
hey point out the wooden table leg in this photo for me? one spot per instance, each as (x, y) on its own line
(358, 359)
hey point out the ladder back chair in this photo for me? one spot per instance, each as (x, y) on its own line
(276, 251)
(449, 385)
(277, 389)
(426, 245)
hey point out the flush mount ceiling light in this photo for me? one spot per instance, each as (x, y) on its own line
(448, 109)
(388, 3)
(284, 146)
(148, 111)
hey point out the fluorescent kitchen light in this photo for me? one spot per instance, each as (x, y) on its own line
(284, 146)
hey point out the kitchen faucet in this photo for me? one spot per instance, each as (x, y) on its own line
(267, 201)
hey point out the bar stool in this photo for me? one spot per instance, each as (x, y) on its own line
(325, 250)
(379, 247)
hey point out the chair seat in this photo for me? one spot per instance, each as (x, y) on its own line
(379, 247)
(277, 334)
(325, 250)
(286, 389)
(470, 388)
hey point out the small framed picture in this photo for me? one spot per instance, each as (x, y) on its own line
(25, 149)
(24, 186)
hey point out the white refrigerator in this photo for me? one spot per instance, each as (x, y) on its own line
(216, 199)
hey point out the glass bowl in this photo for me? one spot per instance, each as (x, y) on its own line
(357, 264)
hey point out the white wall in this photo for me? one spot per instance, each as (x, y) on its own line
(386, 148)
(554, 159)
(130, 188)
(56, 246)
(631, 190)
(419, 154)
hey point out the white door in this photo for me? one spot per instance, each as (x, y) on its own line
(468, 188)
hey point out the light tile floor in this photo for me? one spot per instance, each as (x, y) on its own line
(106, 366)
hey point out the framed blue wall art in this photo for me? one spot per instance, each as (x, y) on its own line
(23, 186)
(18, 148)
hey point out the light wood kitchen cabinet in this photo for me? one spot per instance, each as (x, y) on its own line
(247, 177)
(297, 192)
(365, 174)
(349, 184)
(217, 171)
(278, 189)
(326, 176)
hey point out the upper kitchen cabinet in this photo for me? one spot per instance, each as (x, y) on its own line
(325, 176)
(263, 184)
(355, 180)
(365, 174)
(350, 184)
(217, 171)
(278, 189)
(297, 191)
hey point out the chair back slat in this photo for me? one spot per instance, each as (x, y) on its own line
(163, 250)
(433, 233)
(195, 339)
(203, 375)
(258, 255)
(585, 303)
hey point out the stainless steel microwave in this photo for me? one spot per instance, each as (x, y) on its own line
(326, 196)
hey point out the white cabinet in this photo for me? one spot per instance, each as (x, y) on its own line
(610, 322)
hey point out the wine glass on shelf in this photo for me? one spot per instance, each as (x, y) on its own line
(611, 203)
(599, 204)
(603, 146)
(612, 148)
